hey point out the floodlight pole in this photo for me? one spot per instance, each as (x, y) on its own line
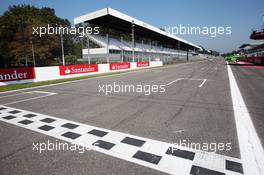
(88, 43)
(33, 53)
(133, 41)
(187, 55)
(62, 49)
(157, 49)
(150, 44)
(179, 48)
(142, 51)
(23, 25)
(107, 48)
(149, 56)
(263, 22)
(122, 50)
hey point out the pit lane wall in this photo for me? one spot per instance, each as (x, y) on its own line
(37, 74)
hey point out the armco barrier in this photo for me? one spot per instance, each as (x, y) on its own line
(28, 75)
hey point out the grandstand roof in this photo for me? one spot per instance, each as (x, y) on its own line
(251, 45)
(111, 18)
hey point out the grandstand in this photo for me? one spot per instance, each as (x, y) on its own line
(124, 38)
(252, 49)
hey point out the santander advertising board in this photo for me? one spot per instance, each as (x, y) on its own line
(118, 66)
(16, 74)
(143, 64)
(78, 69)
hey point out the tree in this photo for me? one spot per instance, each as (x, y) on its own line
(16, 35)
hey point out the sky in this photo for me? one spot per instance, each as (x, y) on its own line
(241, 15)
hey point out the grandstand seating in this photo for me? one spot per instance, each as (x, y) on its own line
(117, 44)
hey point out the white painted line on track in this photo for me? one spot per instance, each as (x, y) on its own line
(11, 95)
(143, 151)
(251, 150)
(32, 98)
(203, 82)
(173, 81)
(42, 92)
(22, 93)
(195, 79)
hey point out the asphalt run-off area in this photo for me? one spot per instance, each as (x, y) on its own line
(207, 103)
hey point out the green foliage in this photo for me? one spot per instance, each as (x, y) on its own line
(17, 39)
(234, 58)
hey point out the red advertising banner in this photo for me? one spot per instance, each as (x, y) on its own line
(78, 69)
(143, 64)
(118, 66)
(16, 74)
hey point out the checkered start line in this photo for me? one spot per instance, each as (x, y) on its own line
(150, 153)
